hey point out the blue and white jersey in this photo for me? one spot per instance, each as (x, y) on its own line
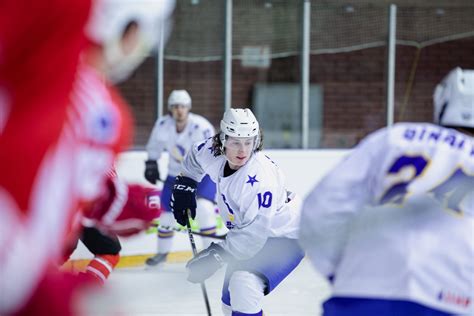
(395, 219)
(252, 201)
(164, 137)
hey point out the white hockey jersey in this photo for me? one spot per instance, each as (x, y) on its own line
(395, 219)
(252, 201)
(164, 137)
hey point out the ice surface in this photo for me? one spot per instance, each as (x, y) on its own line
(163, 290)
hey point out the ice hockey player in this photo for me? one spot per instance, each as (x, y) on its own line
(261, 248)
(55, 152)
(392, 225)
(175, 133)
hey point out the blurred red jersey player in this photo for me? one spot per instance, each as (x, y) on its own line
(40, 43)
(54, 154)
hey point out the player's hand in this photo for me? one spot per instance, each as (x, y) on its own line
(151, 171)
(142, 207)
(123, 209)
(206, 263)
(183, 198)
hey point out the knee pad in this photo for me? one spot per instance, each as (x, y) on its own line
(246, 292)
(167, 219)
(206, 218)
(206, 215)
(165, 237)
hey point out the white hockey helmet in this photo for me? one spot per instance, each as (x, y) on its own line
(454, 99)
(240, 123)
(179, 97)
(108, 21)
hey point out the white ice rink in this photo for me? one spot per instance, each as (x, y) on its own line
(164, 291)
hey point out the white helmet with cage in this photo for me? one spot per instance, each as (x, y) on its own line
(454, 99)
(110, 18)
(181, 97)
(240, 123)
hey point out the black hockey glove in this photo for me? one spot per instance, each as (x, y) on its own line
(151, 171)
(206, 263)
(183, 198)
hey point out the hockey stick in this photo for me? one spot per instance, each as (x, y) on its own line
(193, 246)
(183, 230)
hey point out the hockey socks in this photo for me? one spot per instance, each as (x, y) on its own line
(101, 266)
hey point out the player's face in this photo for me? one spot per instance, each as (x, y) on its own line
(180, 113)
(238, 151)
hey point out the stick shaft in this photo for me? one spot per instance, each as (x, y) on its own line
(185, 230)
(193, 247)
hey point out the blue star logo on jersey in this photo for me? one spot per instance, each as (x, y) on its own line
(252, 180)
(103, 128)
(104, 122)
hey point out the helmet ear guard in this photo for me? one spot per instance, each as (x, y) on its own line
(454, 99)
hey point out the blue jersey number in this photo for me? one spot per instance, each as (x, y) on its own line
(396, 193)
(265, 199)
(450, 192)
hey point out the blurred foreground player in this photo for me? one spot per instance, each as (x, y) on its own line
(38, 64)
(392, 225)
(260, 249)
(121, 34)
(64, 148)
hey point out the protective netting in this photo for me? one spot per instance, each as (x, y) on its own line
(424, 26)
(197, 33)
(345, 27)
(336, 26)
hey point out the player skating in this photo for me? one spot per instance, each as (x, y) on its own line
(261, 247)
(120, 35)
(176, 133)
(34, 153)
